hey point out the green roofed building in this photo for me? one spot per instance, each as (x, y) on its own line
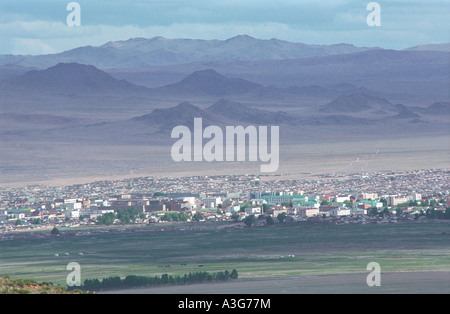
(278, 199)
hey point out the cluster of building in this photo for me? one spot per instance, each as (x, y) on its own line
(224, 198)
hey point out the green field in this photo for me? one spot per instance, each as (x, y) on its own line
(301, 249)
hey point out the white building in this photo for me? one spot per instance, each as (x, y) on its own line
(307, 205)
(3, 215)
(92, 212)
(253, 211)
(102, 211)
(72, 213)
(191, 201)
(308, 212)
(72, 206)
(341, 198)
(358, 211)
(70, 200)
(212, 202)
(340, 211)
(395, 200)
(233, 209)
(17, 215)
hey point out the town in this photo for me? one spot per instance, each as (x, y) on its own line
(387, 197)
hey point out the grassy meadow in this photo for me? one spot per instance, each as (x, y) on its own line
(280, 251)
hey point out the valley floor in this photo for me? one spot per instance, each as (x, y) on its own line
(391, 283)
(66, 163)
(289, 258)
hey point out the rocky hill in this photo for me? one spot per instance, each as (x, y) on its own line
(26, 286)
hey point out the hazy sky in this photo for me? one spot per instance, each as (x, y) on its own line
(39, 26)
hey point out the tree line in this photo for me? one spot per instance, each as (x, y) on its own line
(430, 213)
(124, 215)
(134, 281)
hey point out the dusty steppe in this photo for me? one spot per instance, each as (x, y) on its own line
(68, 163)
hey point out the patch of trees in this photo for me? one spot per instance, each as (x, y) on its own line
(348, 204)
(282, 217)
(128, 215)
(174, 216)
(106, 219)
(265, 207)
(133, 281)
(374, 211)
(249, 220)
(432, 213)
(423, 203)
(125, 216)
(197, 216)
(243, 206)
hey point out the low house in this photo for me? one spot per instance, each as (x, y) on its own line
(307, 205)
(358, 211)
(327, 198)
(95, 212)
(309, 212)
(369, 204)
(364, 206)
(274, 211)
(340, 211)
(341, 198)
(326, 209)
(233, 209)
(253, 211)
(257, 201)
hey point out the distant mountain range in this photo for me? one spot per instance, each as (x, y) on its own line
(73, 79)
(112, 108)
(413, 76)
(49, 98)
(84, 83)
(142, 52)
(418, 74)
